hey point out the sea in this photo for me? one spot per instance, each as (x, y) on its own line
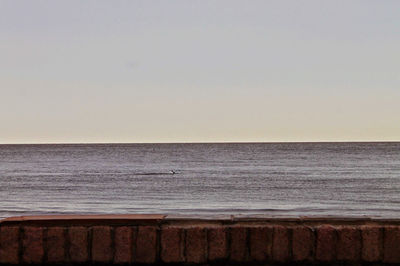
(202, 179)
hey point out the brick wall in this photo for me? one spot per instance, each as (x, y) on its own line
(151, 239)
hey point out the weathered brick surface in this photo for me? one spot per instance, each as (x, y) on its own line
(238, 249)
(217, 243)
(55, 244)
(196, 245)
(242, 242)
(348, 244)
(146, 244)
(260, 243)
(372, 243)
(33, 250)
(123, 244)
(172, 241)
(326, 243)
(101, 244)
(303, 243)
(78, 244)
(391, 244)
(280, 244)
(9, 245)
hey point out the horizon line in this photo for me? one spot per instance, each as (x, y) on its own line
(204, 142)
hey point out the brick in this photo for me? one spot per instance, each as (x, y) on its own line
(9, 245)
(172, 244)
(238, 249)
(32, 243)
(123, 244)
(348, 244)
(146, 244)
(261, 243)
(101, 244)
(326, 243)
(280, 244)
(78, 244)
(391, 245)
(55, 244)
(196, 245)
(302, 243)
(217, 243)
(372, 241)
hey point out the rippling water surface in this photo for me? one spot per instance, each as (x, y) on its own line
(346, 179)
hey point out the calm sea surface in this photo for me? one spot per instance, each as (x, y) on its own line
(346, 179)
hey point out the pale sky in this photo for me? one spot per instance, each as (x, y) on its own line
(199, 71)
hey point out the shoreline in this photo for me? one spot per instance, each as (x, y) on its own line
(223, 218)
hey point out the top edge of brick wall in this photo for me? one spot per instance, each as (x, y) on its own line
(158, 219)
(48, 220)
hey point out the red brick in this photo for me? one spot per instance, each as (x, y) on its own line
(196, 245)
(146, 244)
(371, 243)
(326, 243)
(217, 244)
(302, 243)
(32, 242)
(123, 244)
(78, 244)
(172, 244)
(9, 245)
(261, 243)
(55, 244)
(391, 245)
(101, 244)
(238, 250)
(280, 244)
(348, 244)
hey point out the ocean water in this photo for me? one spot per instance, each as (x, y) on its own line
(273, 179)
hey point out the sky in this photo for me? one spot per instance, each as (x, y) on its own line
(199, 71)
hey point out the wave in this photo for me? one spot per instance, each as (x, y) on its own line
(155, 173)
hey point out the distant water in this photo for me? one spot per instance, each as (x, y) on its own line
(345, 179)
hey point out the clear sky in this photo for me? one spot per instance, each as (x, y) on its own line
(199, 71)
